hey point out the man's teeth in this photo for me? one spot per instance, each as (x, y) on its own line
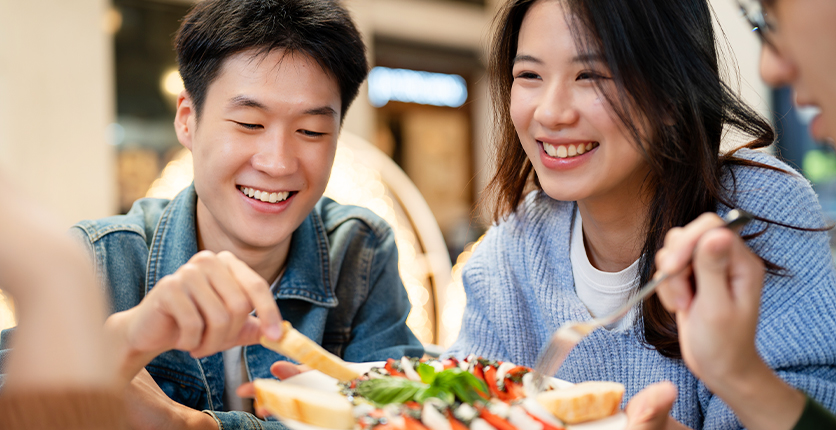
(565, 151)
(264, 196)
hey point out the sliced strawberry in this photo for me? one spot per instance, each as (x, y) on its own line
(413, 424)
(490, 379)
(546, 426)
(495, 420)
(450, 363)
(390, 367)
(514, 390)
(454, 423)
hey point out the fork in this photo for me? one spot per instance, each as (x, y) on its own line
(571, 333)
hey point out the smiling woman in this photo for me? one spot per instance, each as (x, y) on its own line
(610, 116)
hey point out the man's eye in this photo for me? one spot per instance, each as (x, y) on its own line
(310, 133)
(249, 126)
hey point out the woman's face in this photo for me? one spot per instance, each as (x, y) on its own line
(569, 131)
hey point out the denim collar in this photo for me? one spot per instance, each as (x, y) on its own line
(306, 277)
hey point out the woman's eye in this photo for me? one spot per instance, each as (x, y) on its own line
(590, 75)
(526, 75)
(249, 126)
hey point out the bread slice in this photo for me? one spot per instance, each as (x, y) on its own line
(583, 402)
(299, 347)
(303, 404)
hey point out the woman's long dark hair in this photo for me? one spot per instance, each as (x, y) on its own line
(664, 62)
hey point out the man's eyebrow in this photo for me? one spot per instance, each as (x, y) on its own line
(244, 101)
(529, 58)
(324, 110)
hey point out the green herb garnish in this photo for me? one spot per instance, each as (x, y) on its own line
(447, 386)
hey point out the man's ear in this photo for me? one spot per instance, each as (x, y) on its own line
(185, 120)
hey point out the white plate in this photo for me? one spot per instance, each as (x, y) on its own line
(320, 381)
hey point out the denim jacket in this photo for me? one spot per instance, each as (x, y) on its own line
(340, 287)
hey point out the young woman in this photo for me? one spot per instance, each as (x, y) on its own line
(612, 112)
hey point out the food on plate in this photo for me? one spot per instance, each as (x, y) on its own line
(299, 347)
(583, 402)
(474, 393)
(307, 405)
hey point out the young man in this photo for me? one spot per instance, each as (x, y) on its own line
(267, 83)
(717, 321)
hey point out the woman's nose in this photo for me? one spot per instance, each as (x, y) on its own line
(776, 70)
(556, 108)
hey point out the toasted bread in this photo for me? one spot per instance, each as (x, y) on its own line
(299, 347)
(583, 402)
(303, 404)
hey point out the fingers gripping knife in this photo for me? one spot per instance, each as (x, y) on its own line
(571, 333)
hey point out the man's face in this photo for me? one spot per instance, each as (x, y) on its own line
(804, 56)
(263, 147)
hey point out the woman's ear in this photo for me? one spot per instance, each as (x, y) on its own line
(185, 120)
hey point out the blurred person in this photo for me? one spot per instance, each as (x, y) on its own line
(613, 112)
(267, 83)
(717, 300)
(62, 374)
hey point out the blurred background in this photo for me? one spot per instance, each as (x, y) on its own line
(87, 98)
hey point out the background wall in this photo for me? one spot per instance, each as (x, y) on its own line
(56, 101)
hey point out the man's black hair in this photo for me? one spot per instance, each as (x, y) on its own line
(321, 29)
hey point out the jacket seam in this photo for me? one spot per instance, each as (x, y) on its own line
(155, 251)
(322, 245)
(97, 233)
(205, 384)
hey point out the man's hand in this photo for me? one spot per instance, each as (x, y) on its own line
(203, 308)
(148, 407)
(717, 319)
(650, 409)
(279, 369)
(718, 316)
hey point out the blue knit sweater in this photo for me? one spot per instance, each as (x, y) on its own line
(520, 288)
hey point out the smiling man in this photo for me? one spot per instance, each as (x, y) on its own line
(267, 85)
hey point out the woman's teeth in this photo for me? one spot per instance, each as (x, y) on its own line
(264, 196)
(566, 151)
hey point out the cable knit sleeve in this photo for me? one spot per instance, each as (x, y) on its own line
(797, 326)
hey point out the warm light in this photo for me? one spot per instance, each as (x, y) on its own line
(176, 175)
(172, 83)
(411, 86)
(7, 315)
(453, 312)
(112, 21)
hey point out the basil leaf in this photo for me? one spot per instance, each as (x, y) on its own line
(438, 392)
(389, 390)
(426, 372)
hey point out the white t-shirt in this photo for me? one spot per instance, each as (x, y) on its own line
(235, 370)
(601, 292)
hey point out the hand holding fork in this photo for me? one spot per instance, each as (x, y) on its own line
(571, 333)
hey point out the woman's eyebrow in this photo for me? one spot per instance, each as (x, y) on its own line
(588, 58)
(520, 58)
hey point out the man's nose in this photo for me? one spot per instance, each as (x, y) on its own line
(776, 70)
(276, 156)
